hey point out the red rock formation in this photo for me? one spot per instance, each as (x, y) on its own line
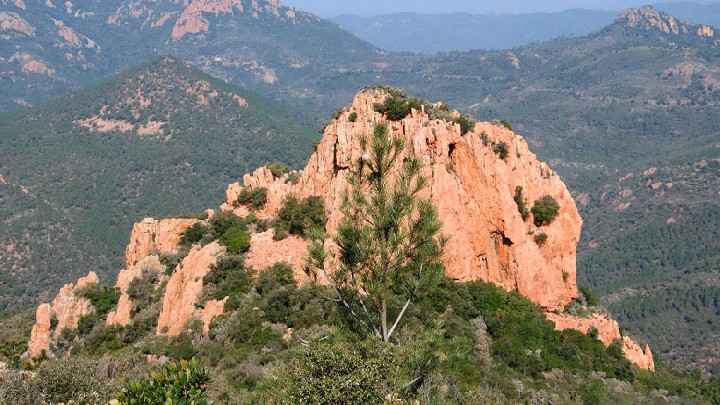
(40, 334)
(265, 252)
(473, 189)
(121, 314)
(607, 332)
(153, 235)
(638, 356)
(212, 309)
(67, 308)
(184, 288)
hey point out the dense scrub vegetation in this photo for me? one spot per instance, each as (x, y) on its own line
(298, 217)
(461, 342)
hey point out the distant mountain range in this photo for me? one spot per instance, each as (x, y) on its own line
(432, 33)
(410, 32)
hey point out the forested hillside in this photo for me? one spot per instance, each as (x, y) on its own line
(161, 138)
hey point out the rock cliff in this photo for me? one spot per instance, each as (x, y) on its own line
(184, 288)
(67, 309)
(474, 178)
(473, 188)
(153, 235)
(650, 18)
(608, 331)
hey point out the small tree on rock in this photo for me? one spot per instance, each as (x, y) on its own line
(389, 242)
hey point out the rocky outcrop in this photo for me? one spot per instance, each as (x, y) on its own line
(121, 314)
(35, 66)
(264, 252)
(212, 309)
(40, 334)
(607, 329)
(184, 288)
(638, 356)
(607, 332)
(67, 308)
(13, 22)
(705, 31)
(473, 189)
(192, 21)
(152, 235)
(649, 17)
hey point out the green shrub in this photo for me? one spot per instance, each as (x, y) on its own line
(236, 240)
(171, 261)
(466, 124)
(520, 201)
(58, 381)
(541, 238)
(280, 232)
(335, 373)
(506, 124)
(352, 117)
(398, 105)
(501, 149)
(193, 234)
(176, 383)
(142, 293)
(103, 339)
(228, 278)
(590, 298)
(87, 322)
(545, 210)
(254, 199)
(293, 178)
(274, 277)
(296, 216)
(102, 298)
(278, 169)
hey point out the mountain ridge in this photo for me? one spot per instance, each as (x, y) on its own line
(105, 155)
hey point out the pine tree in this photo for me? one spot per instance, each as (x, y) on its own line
(389, 245)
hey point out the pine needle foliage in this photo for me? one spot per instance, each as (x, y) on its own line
(389, 241)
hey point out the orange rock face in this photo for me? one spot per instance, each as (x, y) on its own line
(265, 252)
(212, 309)
(184, 288)
(608, 332)
(121, 314)
(473, 189)
(40, 334)
(638, 356)
(151, 235)
(67, 308)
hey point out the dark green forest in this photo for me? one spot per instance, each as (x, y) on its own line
(71, 194)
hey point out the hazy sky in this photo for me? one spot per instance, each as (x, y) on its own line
(331, 8)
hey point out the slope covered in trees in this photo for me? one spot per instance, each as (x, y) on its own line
(161, 138)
